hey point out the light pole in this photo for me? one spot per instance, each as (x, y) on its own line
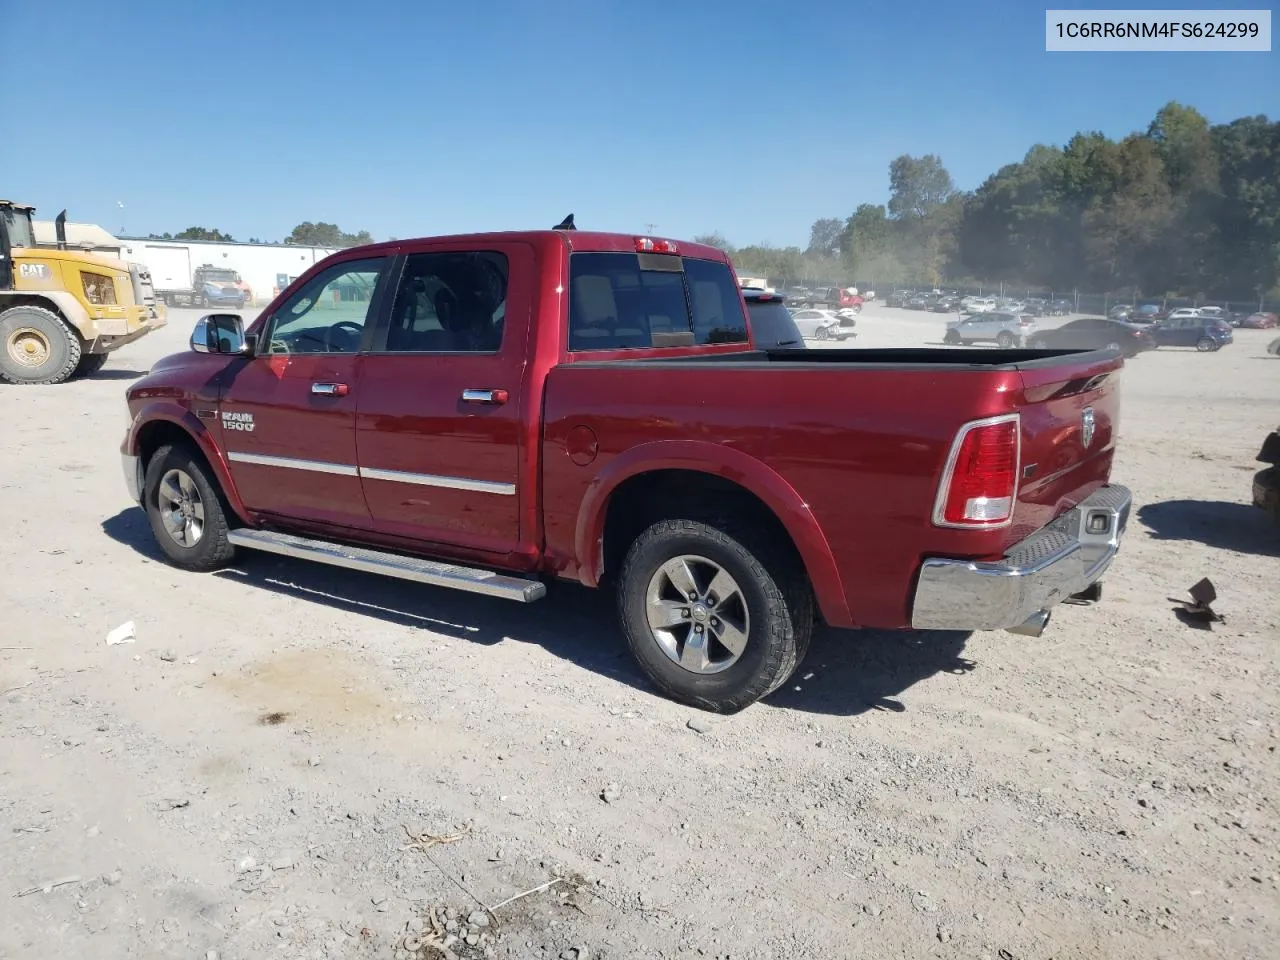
(120, 204)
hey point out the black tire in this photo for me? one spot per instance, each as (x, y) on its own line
(90, 363)
(211, 550)
(45, 332)
(1036, 343)
(822, 333)
(952, 339)
(1005, 340)
(1205, 345)
(777, 599)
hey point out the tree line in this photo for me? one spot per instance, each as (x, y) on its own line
(1184, 208)
(305, 234)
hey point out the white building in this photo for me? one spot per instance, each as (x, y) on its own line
(266, 267)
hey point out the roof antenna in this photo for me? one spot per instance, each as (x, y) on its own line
(565, 224)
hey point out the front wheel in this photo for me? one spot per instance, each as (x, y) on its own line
(822, 333)
(1205, 345)
(186, 511)
(715, 620)
(36, 347)
(952, 339)
(1005, 340)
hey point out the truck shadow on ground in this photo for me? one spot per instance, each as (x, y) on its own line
(1240, 527)
(845, 673)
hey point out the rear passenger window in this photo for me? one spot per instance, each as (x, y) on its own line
(615, 304)
(449, 303)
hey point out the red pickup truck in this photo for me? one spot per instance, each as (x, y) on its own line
(488, 412)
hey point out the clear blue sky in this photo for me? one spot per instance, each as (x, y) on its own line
(417, 118)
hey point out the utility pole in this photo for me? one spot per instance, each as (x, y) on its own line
(649, 227)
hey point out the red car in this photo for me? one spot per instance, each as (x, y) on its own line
(850, 301)
(490, 412)
(1260, 321)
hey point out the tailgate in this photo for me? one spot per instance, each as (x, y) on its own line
(1070, 416)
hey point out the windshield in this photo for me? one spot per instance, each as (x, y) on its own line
(221, 276)
(17, 223)
(772, 324)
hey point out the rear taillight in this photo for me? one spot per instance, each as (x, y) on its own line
(980, 479)
(650, 245)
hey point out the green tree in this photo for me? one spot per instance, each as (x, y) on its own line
(824, 237)
(715, 239)
(323, 234)
(200, 233)
(924, 202)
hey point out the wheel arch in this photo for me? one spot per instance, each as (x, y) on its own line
(170, 424)
(630, 489)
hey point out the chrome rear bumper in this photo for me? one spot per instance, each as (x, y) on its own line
(1051, 565)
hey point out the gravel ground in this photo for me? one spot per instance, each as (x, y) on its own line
(296, 761)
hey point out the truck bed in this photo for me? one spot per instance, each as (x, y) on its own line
(859, 437)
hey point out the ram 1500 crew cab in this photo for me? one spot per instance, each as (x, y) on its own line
(489, 412)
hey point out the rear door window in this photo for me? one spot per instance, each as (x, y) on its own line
(615, 302)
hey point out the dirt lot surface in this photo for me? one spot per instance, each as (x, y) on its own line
(294, 761)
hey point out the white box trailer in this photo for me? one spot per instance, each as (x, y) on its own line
(170, 268)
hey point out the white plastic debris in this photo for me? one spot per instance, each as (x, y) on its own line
(125, 633)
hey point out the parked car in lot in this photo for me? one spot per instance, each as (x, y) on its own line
(772, 326)
(1219, 313)
(1095, 333)
(1260, 321)
(1184, 313)
(818, 324)
(498, 410)
(978, 304)
(945, 304)
(898, 298)
(919, 301)
(1191, 331)
(1121, 311)
(1146, 313)
(1004, 329)
(1060, 308)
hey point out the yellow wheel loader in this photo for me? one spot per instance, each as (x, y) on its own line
(61, 310)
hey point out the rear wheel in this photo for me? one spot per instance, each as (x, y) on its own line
(186, 511)
(1205, 345)
(952, 338)
(36, 346)
(90, 363)
(822, 333)
(716, 617)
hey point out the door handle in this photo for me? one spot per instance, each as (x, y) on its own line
(495, 397)
(330, 389)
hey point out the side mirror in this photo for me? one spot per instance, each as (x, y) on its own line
(220, 333)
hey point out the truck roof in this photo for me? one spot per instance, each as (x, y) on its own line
(581, 240)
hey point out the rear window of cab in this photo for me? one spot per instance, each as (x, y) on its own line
(632, 301)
